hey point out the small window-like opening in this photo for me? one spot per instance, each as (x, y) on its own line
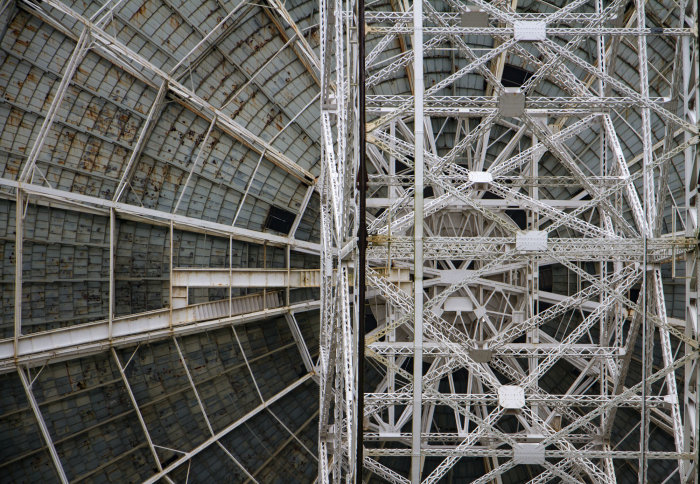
(280, 220)
(514, 76)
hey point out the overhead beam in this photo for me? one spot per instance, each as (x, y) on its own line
(245, 277)
(489, 248)
(159, 217)
(431, 348)
(454, 203)
(84, 339)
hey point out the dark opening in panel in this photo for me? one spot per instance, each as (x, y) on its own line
(280, 220)
(514, 76)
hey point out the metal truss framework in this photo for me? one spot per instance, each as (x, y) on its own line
(340, 203)
(453, 281)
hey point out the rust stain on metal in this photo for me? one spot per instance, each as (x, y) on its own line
(123, 80)
(213, 143)
(14, 119)
(68, 138)
(140, 12)
(89, 156)
(47, 100)
(315, 35)
(91, 112)
(104, 120)
(12, 169)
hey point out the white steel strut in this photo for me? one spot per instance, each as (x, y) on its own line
(339, 208)
(518, 281)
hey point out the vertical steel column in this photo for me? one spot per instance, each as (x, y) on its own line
(19, 240)
(362, 237)
(691, 374)
(603, 66)
(170, 278)
(325, 346)
(340, 341)
(390, 312)
(533, 336)
(230, 276)
(648, 189)
(418, 129)
(110, 312)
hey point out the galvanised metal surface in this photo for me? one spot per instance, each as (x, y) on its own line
(515, 150)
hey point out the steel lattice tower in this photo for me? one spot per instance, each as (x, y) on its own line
(469, 200)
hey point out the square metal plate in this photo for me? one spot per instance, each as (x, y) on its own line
(531, 241)
(511, 397)
(530, 31)
(532, 454)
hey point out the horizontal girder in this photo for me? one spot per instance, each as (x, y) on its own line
(81, 202)
(84, 339)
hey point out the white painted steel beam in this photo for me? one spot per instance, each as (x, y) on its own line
(84, 339)
(126, 210)
(419, 168)
(242, 277)
(27, 384)
(338, 335)
(454, 203)
(144, 135)
(306, 53)
(299, 340)
(137, 409)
